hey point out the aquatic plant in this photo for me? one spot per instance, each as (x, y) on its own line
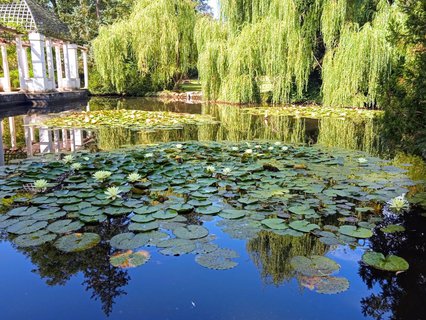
(210, 169)
(101, 175)
(113, 193)
(133, 177)
(76, 166)
(68, 159)
(41, 184)
(227, 171)
(399, 204)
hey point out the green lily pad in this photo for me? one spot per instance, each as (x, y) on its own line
(146, 210)
(219, 259)
(182, 208)
(303, 226)
(392, 228)
(22, 211)
(314, 266)
(390, 263)
(325, 285)
(232, 214)
(140, 218)
(165, 214)
(208, 210)
(176, 246)
(129, 240)
(355, 232)
(191, 232)
(26, 226)
(34, 239)
(143, 227)
(64, 226)
(77, 242)
(275, 223)
(129, 259)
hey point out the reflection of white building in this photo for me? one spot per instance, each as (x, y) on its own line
(54, 60)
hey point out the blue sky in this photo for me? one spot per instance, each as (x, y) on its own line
(215, 5)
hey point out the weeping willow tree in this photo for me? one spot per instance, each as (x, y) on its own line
(156, 42)
(276, 47)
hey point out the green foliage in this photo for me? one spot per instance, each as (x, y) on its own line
(153, 48)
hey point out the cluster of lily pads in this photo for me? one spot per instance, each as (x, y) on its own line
(314, 112)
(165, 195)
(131, 119)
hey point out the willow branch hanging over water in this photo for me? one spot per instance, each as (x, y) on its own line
(157, 40)
(272, 47)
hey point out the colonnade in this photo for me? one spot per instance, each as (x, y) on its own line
(47, 74)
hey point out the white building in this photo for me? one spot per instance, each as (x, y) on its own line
(54, 60)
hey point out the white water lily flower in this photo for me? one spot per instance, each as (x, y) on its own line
(210, 169)
(226, 171)
(399, 203)
(179, 146)
(362, 160)
(277, 143)
(284, 148)
(133, 177)
(234, 148)
(258, 147)
(271, 148)
(113, 193)
(76, 166)
(101, 175)
(248, 151)
(41, 184)
(86, 158)
(68, 159)
(149, 155)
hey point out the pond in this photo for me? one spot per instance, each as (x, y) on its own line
(235, 214)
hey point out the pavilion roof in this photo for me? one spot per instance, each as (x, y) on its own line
(32, 17)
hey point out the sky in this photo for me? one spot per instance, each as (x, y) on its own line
(215, 5)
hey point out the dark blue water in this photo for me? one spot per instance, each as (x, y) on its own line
(43, 283)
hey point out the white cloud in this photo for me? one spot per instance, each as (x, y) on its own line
(215, 5)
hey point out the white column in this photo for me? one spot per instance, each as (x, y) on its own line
(86, 70)
(1, 144)
(12, 129)
(6, 79)
(65, 139)
(78, 137)
(25, 61)
(28, 141)
(50, 66)
(73, 66)
(66, 61)
(56, 141)
(72, 141)
(58, 66)
(21, 68)
(40, 81)
(45, 139)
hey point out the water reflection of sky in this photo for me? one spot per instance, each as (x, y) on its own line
(178, 288)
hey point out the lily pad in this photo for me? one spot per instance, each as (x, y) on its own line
(390, 263)
(325, 285)
(219, 259)
(129, 259)
(275, 223)
(392, 228)
(26, 226)
(355, 232)
(77, 242)
(191, 232)
(65, 226)
(34, 239)
(129, 240)
(232, 214)
(165, 214)
(143, 227)
(314, 266)
(303, 226)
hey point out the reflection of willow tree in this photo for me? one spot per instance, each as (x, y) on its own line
(402, 296)
(238, 125)
(272, 253)
(356, 134)
(103, 280)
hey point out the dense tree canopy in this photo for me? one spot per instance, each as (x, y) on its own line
(156, 42)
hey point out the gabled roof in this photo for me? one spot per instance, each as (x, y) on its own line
(33, 18)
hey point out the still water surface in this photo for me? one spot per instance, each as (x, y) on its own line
(43, 283)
